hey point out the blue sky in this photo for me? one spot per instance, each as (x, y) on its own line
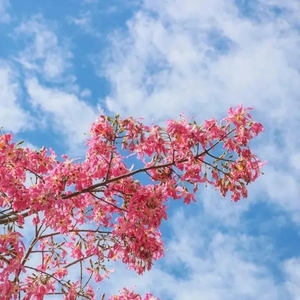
(62, 62)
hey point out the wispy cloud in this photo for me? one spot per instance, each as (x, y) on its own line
(45, 53)
(12, 116)
(174, 60)
(84, 22)
(4, 15)
(64, 112)
(208, 264)
(292, 271)
(202, 57)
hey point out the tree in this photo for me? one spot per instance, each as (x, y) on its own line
(85, 213)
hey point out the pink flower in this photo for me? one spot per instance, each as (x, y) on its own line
(61, 272)
(96, 209)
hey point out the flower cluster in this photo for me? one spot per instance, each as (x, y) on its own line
(88, 212)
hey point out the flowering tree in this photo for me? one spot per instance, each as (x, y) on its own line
(85, 213)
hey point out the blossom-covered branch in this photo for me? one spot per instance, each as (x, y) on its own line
(98, 209)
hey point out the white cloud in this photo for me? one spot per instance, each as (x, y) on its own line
(47, 54)
(204, 56)
(12, 116)
(222, 208)
(295, 161)
(203, 263)
(69, 115)
(4, 16)
(84, 22)
(86, 93)
(283, 189)
(174, 62)
(292, 271)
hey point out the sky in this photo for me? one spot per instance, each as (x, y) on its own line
(64, 62)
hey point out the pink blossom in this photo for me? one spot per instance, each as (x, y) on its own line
(99, 209)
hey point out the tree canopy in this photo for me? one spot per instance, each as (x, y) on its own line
(84, 213)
